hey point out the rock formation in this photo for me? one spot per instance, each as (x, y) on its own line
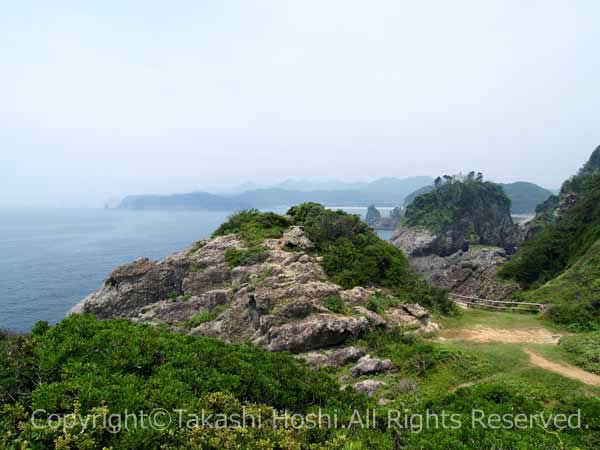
(458, 234)
(278, 301)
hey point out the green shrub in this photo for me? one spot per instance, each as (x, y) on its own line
(200, 318)
(85, 365)
(243, 257)
(353, 255)
(335, 304)
(254, 226)
(584, 350)
(379, 303)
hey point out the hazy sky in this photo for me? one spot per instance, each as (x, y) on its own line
(104, 98)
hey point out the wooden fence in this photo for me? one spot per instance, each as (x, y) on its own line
(475, 302)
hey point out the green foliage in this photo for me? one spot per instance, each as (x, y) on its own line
(378, 303)
(565, 256)
(584, 350)
(87, 366)
(200, 318)
(452, 201)
(353, 255)
(242, 257)
(254, 226)
(335, 304)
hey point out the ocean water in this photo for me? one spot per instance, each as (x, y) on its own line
(51, 259)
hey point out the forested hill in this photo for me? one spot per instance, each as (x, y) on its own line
(465, 209)
(524, 196)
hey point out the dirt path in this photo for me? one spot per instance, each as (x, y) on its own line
(562, 369)
(506, 336)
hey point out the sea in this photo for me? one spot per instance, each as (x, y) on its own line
(50, 259)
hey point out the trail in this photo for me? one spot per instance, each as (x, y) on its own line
(565, 370)
(506, 336)
(522, 336)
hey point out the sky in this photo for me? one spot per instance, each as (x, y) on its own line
(103, 99)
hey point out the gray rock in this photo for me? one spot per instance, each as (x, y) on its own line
(367, 365)
(317, 331)
(375, 320)
(407, 386)
(345, 355)
(416, 310)
(369, 386)
(296, 239)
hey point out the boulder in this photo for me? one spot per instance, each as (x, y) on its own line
(375, 320)
(346, 355)
(369, 386)
(368, 365)
(416, 310)
(317, 331)
(295, 238)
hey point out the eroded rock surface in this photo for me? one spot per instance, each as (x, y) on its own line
(278, 301)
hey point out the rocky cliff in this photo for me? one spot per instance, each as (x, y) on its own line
(458, 213)
(458, 234)
(276, 294)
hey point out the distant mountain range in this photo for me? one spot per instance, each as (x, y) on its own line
(389, 191)
(382, 192)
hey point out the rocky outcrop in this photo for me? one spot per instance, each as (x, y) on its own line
(333, 358)
(278, 301)
(471, 273)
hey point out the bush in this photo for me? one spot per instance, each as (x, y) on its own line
(243, 257)
(335, 304)
(254, 226)
(84, 365)
(353, 255)
(584, 350)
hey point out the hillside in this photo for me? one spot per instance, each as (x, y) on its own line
(557, 265)
(524, 196)
(560, 250)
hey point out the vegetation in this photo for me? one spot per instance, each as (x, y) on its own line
(240, 257)
(200, 318)
(584, 350)
(335, 304)
(565, 255)
(353, 255)
(95, 368)
(91, 367)
(524, 197)
(453, 200)
(254, 226)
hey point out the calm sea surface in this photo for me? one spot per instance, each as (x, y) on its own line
(51, 259)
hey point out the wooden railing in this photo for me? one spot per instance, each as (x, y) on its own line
(475, 302)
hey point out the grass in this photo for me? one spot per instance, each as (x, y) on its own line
(241, 257)
(477, 317)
